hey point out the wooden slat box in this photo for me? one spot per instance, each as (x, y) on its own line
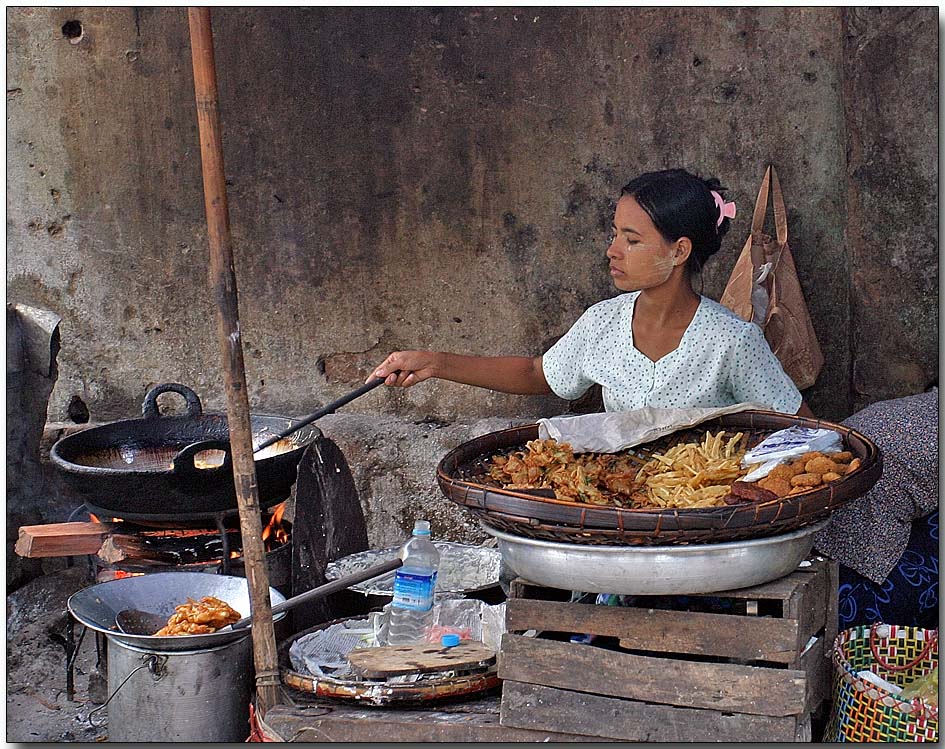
(659, 674)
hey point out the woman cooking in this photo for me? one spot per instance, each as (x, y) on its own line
(659, 344)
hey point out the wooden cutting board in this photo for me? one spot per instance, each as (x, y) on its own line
(397, 660)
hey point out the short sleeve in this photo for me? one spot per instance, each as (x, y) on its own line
(756, 375)
(563, 363)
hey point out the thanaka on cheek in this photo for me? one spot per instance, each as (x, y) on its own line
(644, 273)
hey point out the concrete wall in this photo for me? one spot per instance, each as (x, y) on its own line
(435, 178)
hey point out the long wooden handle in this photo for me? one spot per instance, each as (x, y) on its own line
(223, 283)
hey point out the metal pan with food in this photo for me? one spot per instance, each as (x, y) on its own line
(175, 464)
(683, 498)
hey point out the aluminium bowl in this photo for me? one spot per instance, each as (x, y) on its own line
(655, 570)
(97, 606)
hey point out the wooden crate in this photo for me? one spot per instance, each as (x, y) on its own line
(659, 674)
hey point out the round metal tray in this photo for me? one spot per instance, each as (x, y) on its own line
(463, 569)
(655, 570)
(379, 693)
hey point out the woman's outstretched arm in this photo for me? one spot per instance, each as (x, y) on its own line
(522, 375)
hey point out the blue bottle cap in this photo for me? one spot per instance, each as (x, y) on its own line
(449, 641)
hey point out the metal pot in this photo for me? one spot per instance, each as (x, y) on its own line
(152, 466)
(186, 695)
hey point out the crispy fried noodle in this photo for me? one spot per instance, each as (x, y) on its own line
(690, 474)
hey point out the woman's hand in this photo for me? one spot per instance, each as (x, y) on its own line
(406, 368)
(521, 375)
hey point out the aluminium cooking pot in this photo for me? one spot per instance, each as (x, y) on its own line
(153, 466)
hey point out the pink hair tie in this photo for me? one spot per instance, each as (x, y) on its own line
(726, 210)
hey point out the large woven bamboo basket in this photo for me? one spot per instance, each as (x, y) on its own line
(461, 476)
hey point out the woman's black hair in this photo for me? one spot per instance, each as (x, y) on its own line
(680, 204)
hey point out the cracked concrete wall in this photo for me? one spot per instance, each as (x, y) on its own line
(445, 178)
(891, 98)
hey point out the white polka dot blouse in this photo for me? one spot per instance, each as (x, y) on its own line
(721, 360)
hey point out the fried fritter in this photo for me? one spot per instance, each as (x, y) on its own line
(198, 617)
(821, 466)
(806, 479)
(776, 484)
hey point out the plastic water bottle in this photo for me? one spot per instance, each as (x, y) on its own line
(411, 611)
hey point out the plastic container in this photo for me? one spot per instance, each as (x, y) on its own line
(411, 611)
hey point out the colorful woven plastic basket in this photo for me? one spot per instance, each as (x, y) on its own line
(864, 712)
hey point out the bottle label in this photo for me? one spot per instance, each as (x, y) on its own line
(413, 591)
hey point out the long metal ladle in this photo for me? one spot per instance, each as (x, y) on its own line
(186, 455)
(137, 622)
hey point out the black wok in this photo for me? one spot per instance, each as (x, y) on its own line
(158, 465)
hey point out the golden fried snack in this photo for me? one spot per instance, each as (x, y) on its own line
(798, 465)
(821, 466)
(830, 476)
(783, 471)
(800, 490)
(776, 484)
(806, 479)
(842, 457)
(854, 464)
(688, 474)
(198, 617)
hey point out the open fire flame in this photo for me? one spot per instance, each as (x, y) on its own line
(274, 534)
(276, 530)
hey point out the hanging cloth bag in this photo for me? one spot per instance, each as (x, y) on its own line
(764, 289)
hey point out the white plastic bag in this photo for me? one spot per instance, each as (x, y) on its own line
(787, 444)
(759, 296)
(614, 431)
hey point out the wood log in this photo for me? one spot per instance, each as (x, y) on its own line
(175, 550)
(61, 539)
(120, 548)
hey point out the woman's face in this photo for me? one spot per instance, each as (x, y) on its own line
(640, 257)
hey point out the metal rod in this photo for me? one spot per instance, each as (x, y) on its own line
(329, 409)
(225, 541)
(223, 283)
(330, 587)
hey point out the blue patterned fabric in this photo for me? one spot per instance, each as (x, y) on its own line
(908, 596)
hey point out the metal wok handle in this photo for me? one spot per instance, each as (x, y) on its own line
(329, 409)
(328, 588)
(149, 406)
(184, 465)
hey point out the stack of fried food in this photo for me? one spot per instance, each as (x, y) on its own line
(809, 471)
(689, 474)
(199, 617)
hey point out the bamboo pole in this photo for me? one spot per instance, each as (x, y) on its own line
(223, 283)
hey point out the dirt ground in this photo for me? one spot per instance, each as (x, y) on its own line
(37, 708)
